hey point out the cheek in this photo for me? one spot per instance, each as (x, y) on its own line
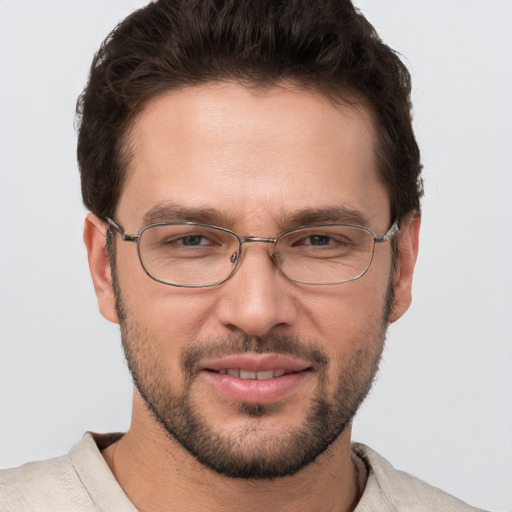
(169, 316)
(355, 307)
(350, 318)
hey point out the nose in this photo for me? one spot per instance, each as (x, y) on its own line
(257, 298)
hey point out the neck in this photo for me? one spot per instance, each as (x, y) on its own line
(157, 474)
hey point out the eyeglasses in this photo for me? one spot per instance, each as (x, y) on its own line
(196, 255)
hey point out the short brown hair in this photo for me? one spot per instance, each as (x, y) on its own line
(324, 45)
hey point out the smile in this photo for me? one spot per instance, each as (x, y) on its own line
(256, 378)
(247, 374)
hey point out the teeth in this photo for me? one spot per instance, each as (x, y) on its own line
(245, 374)
(265, 375)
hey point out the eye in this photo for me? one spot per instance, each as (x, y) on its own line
(191, 240)
(186, 240)
(317, 240)
(323, 240)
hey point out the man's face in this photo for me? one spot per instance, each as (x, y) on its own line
(253, 162)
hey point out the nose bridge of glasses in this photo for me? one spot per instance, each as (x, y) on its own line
(265, 240)
(237, 256)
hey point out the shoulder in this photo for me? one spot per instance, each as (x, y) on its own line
(396, 490)
(79, 481)
(46, 485)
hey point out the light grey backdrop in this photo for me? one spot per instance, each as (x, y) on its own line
(442, 406)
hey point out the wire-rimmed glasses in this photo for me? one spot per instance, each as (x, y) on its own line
(194, 255)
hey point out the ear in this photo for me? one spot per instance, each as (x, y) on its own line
(408, 240)
(99, 265)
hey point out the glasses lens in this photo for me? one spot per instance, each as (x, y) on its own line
(325, 254)
(187, 254)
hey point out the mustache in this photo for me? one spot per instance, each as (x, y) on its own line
(214, 348)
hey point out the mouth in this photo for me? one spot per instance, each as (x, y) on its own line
(249, 375)
(256, 378)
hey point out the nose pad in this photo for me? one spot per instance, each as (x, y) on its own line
(255, 301)
(237, 257)
(276, 257)
(234, 257)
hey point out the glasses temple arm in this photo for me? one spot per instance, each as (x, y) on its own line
(125, 236)
(393, 230)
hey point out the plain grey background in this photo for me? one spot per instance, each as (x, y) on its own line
(442, 405)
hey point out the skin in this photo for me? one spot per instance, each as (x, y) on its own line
(258, 157)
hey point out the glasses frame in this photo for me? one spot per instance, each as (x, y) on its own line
(135, 238)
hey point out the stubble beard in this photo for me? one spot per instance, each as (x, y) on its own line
(250, 453)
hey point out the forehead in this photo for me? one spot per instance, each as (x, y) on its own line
(246, 152)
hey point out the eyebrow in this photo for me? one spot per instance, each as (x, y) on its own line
(172, 212)
(332, 214)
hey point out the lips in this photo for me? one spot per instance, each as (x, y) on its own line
(253, 362)
(256, 378)
(247, 374)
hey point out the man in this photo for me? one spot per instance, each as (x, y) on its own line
(254, 188)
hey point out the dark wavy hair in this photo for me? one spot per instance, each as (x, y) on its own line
(322, 45)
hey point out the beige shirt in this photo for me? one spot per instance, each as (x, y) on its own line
(81, 481)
